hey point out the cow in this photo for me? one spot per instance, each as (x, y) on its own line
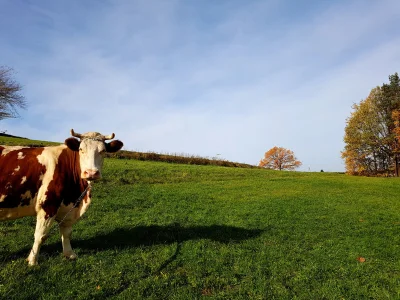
(49, 183)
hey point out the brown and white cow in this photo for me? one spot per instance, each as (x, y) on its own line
(48, 181)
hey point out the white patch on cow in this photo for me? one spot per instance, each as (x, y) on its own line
(17, 212)
(91, 156)
(43, 226)
(8, 149)
(74, 215)
(23, 180)
(49, 159)
(21, 155)
(16, 170)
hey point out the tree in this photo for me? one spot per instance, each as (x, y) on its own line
(10, 97)
(391, 92)
(373, 130)
(279, 158)
(367, 138)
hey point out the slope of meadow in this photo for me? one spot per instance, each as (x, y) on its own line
(170, 231)
(180, 158)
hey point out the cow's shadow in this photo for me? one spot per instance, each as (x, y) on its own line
(139, 236)
(126, 237)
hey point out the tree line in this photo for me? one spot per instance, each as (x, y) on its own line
(372, 132)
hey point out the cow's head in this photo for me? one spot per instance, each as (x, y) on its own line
(92, 148)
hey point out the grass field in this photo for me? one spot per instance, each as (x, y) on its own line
(170, 231)
(14, 141)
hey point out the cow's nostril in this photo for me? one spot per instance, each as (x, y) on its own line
(91, 174)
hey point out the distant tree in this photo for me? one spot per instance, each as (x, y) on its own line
(279, 158)
(10, 97)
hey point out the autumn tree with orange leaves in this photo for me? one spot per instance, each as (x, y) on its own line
(372, 133)
(279, 158)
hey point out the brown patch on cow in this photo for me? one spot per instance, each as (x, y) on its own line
(67, 185)
(72, 144)
(13, 171)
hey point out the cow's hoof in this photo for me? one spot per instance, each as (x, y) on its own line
(31, 262)
(70, 255)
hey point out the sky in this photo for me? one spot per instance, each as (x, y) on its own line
(215, 78)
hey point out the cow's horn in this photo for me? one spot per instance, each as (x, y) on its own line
(75, 134)
(109, 137)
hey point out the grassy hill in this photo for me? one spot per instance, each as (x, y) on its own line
(19, 141)
(171, 231)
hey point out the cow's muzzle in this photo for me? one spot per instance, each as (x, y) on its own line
(91, 174)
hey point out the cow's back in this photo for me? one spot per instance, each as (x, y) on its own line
(21, 176)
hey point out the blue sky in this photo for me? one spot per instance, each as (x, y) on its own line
(202, 77)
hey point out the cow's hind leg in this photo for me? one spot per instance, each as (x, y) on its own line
(43, 225)
(66, 232)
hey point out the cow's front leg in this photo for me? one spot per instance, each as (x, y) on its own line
(43, 225)
(66, 232)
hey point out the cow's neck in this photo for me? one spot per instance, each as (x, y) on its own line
(69, 177)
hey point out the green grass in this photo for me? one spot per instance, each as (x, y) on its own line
(170, 231)
(14, 141)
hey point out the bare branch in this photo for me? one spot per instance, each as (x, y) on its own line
(10, 97)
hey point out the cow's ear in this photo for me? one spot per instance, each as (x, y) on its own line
(114, 146)
(72, 144)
